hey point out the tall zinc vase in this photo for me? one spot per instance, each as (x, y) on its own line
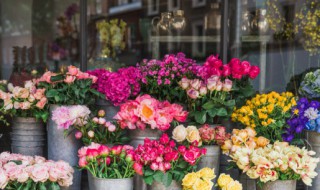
(279, 185)
(108, 107)
(28, 136)
(313, 139)
(109, 184)
(63, 148)
(137, 137)
(159, 186)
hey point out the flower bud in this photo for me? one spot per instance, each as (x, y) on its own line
(101, 113)
(90, 134)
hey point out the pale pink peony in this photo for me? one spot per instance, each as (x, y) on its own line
(3, 179)
(39, 173)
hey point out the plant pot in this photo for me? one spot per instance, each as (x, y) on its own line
(313, 139)
(279, 185)
(211, 160)
(247, 183)
(109, 184)
(137, 137)
(159, 186)
(63, 148)
(28, 136)
(108, 107)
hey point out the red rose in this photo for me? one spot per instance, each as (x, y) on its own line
(254, 72)
(164, 139)
(245, 65)
(172, 156)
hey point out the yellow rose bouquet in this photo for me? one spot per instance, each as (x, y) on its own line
(225, 182)
(267, 114)
(278, 161)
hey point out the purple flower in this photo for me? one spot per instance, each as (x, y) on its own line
(71, 10)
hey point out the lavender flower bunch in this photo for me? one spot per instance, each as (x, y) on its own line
(310, 85)
(160, 77)
(304, 116)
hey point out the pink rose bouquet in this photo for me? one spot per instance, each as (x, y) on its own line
(26, 172)
(101, 131)
(160, 77)
(205, 135)
(118, 86)
(239, 72)
(108, 162)
(71, 88)
(27, 101)
(209, 100)
(147, 111)
(163, 161)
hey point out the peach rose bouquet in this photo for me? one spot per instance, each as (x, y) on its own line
(26, 101)
(26, 172)
(205, 135)
(278, 161)
(146, 111)
(71, 88)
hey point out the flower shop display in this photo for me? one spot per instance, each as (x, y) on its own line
(163, 162)
(25, 172)
(267, 114)
(225, 182)
(200, 180)
(28, 106)
(118, 87)
(239, 72)
(209, 137)
(160, 77)
(99, 130)
(277, 162)
(209, 101)
(108, 167)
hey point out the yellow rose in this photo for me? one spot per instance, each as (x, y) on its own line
(227, 145)
(202, 185)
(193, 134)
(207, 173)
(233, 185)
(179, 133)
(224, 180)
(251, 132)
(189, 180)
(262, 141)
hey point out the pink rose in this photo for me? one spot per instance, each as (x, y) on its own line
(154, 166)
(184, 83)
(245, 66)
(212, 82)
(41, 103)
(196, 84)
(254, 72)
(138, 168)
(72, 70)
(39, 173)
(182, 116)
(167, 166)
(94, 79)
(54, 174)
(190, 157)
(25, 105)
(220, 134)
(219, 86)
(182, 149)
(69, 79)
(226, 71)
(3, 179)
(39, 159)
(164, 139)
(112, 128)
(193, 94)
(227, 85)
(82, 75)
(39, 94)
(83, 162)
(207, 133)
(213, 61)
(171, 156)
(102, 121)
(203, 90)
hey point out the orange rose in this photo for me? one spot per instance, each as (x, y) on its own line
(262, 141)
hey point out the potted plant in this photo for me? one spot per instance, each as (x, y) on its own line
(25, 172)
(208, 137)
(101, 131)
(117, 87)
(28, 105)
(203, 180)
(267, 114)
(277, 166)
(62, 90)
(108, 167)
(163, 165)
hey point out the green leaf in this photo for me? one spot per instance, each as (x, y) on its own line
(182, 165)
(42, 186)
(52, 93)
(56, 78)
(230, 103)
(208, 105)
(201, 117)
(148, 180)
(57, 98)
(54, 186)
(222, 112)
(212, 112)
(148, 172)
(158, 176)
(167, 179)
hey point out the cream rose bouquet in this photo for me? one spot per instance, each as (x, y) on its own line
(26, 172)
(26, 101)
(278, 161)
(205, 135)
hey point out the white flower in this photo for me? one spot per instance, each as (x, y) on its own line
(311, 113)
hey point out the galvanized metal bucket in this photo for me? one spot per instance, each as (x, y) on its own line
(28, 136)
(159, 186)
(279, 185)
(211, 160)
(108, 107)
(248, 183)
(63, 148)
(137, 137)
(109, 184)
(313, 139)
